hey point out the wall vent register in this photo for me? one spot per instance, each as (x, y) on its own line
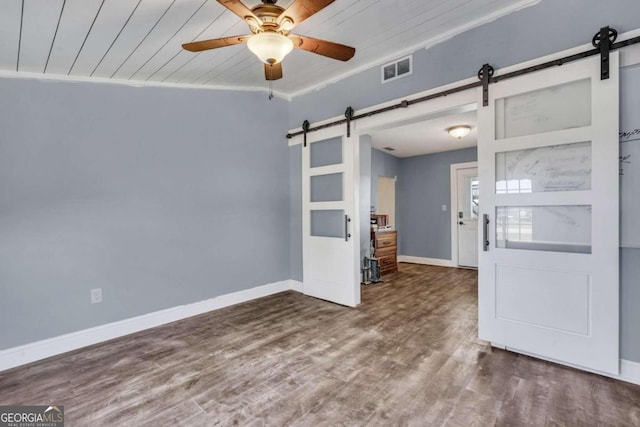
(399, 68)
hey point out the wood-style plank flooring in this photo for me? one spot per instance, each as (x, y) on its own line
(407, 356)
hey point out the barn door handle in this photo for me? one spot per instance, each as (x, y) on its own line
(485, 232)
(347, 220)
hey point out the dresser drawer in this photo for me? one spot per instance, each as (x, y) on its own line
(388, 270)
(385, 252)
(384, 240)
(387, 261)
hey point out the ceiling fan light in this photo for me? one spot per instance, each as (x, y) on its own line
(459, 131)
(270, 47)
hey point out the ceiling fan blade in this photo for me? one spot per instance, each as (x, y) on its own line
(214, 43)
(273, 72)
(300, 10)
(323, 47)
(237, 7)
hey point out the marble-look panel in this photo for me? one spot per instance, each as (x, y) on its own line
(555, 108)
(564, 167)
(547, 228)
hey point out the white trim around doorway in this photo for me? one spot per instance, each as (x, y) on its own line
(454, 207)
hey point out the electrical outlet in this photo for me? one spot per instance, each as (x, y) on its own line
(444, 208)
(96, 295)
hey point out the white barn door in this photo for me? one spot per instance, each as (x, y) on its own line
(331, 251)
(548, 167)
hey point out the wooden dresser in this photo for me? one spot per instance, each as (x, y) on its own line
(386, 246)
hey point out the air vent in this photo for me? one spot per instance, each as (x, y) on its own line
(400, 68)
(389, 148)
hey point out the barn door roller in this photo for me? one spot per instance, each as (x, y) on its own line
(603, 40)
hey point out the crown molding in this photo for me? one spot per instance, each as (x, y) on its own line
(135, 83)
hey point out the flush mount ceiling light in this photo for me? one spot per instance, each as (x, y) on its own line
(459, 131)
(270, 47)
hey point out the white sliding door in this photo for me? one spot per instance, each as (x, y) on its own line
(548, 167)
(331, 267)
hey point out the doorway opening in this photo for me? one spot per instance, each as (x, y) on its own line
(414, 160)
(465, 211)
(387, 199)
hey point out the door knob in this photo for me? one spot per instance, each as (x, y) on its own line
(461, 223)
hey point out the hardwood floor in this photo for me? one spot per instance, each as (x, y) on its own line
(407, 356)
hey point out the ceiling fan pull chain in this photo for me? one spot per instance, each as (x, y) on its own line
(270, 79)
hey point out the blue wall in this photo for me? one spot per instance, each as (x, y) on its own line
(160, 197)
(295, 200)
(545, 28)
(424, 185)
(630, 257)
(629, 301)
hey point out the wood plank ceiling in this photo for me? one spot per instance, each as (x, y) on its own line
(140, 40)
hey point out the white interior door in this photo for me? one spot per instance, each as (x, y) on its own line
(468, 210)
(330, 217)
(548, 163)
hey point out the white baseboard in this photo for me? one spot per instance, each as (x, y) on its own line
(426, 261)
(296, 286)
(629, 371)
(32, 352)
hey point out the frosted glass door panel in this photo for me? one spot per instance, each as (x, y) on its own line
(536, 170)
(544, 228)
(328, 223)
(326, 188)
(325, 153)
(554, 108)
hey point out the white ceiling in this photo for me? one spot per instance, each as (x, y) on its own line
(426, 137)
(140, 40)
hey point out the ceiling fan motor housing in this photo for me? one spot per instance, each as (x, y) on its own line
(268, 13)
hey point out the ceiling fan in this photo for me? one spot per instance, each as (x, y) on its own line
(272, 39)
